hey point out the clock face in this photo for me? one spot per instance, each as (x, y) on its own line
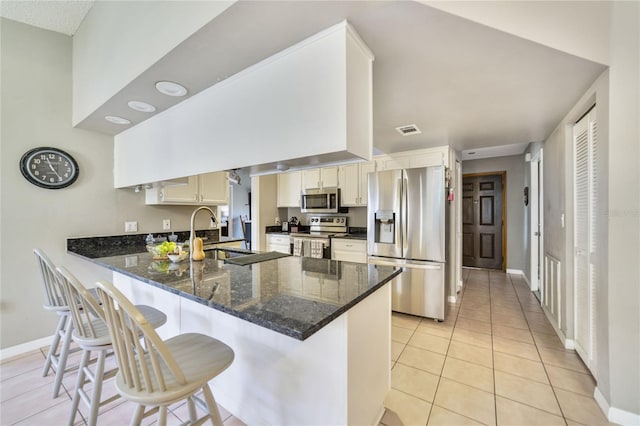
(49, 168)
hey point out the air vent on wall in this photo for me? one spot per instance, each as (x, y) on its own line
(410, 129)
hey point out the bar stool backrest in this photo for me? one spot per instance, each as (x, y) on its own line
(145, 368)
(55, 297)
(85, 309)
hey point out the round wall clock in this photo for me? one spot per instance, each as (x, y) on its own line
(50, 168)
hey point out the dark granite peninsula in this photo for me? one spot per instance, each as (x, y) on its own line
(311, 336)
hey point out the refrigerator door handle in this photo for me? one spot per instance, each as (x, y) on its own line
(400, 233)
(403, 213)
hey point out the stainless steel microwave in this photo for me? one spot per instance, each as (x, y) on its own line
(323, 200)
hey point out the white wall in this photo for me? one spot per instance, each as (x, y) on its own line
(532, 149)
(577, 27)
(263, 208)
(36, 111)
(617, 336)
(514, 166)
(118, 40)
(624, 210)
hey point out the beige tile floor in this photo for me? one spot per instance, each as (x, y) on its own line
(25, 398)
(495, 360)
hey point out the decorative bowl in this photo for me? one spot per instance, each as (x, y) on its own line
(178, 257)
(160, 251)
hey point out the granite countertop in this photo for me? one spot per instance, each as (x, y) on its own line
(295, 296)
(357, 236)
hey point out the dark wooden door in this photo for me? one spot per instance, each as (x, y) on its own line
(482, 221)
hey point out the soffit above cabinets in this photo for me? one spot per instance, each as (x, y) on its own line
(463, 84)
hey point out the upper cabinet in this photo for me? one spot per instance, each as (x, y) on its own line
(419, 158)
(289, 188)
(354, 183)
(209, 189)
(180, 194)
(213, 188)
(324, 177)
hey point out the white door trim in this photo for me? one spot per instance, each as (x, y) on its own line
(536, 198)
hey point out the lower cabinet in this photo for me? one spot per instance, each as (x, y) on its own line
(278, 242)
(349, 250)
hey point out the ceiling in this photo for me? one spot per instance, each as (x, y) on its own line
(460, 82)
(61, 16)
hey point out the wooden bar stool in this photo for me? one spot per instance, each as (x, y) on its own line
(161, 373)
(91, 334)
(56, 301)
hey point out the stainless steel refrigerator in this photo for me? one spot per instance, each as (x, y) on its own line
(407, 227)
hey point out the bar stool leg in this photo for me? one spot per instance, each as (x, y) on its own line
(137, 415)
(61, 364)
(192, 410)
(53, 348)
(79, 383)
(212, 405)
(97, 388)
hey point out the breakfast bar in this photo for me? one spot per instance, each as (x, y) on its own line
(311, 336)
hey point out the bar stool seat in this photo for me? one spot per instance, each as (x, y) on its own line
(162, 372)
(91, 333)
(55, 301)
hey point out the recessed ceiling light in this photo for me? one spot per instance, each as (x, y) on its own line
(170, 88)
(117, 120)
(141, 106)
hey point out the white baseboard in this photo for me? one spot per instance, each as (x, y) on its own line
(24, 348)
(453, 299)
(613, 414)
(515, 271)
(526, 279)
(568, 343)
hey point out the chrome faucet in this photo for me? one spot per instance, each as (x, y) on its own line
(192, 233)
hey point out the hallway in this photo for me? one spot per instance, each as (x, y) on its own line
(495, 360)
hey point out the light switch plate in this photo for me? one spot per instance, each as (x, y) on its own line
(166, 224)
(131, 226)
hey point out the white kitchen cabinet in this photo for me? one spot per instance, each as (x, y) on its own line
(354, 183)
(289, 188)
(181, 194)
(349, 250)
(213, 188)
(278, 242)
(209, 189)
(419, 158)
(323, 177)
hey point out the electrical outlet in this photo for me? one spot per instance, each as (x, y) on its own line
(131, 226)
(166, 224)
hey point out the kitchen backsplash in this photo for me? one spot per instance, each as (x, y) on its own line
(357, 216)
(113, 245)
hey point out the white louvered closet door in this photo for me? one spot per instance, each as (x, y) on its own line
(585, 236)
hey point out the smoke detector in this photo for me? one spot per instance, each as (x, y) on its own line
(409, 129)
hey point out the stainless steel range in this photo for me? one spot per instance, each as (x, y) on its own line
(317, 241)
